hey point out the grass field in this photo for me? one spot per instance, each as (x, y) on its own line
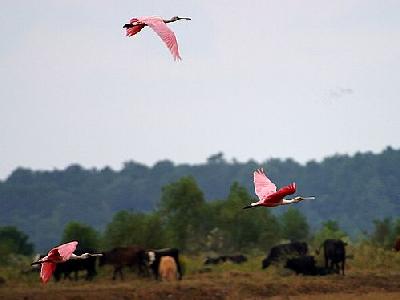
(367, 277)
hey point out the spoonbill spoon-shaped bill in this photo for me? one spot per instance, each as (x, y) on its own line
(267, 194)
(158, 24)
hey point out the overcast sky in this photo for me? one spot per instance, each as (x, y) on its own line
(259, 79)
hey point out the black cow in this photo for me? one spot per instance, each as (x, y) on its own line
(68, 267)
(305, 265)
(236, 259)
(396, 246)
(76, 265)
(284, 251)
(212, 260)
(334, 254)
(154, 256)
(119, 257)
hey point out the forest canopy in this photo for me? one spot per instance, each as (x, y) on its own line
(351, 190)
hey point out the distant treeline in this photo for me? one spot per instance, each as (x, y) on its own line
(353, 190)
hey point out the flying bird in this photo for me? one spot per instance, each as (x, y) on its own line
(57, 255)
(158, 25)
(266, 191)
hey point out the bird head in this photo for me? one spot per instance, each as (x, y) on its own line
(176, 18)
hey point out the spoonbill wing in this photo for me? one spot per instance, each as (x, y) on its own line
(166, 34)
(66, 250)
(262, 185)
(47, 270)
(282, 193)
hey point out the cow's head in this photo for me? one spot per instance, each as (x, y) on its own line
(151, 257)
(265, 263)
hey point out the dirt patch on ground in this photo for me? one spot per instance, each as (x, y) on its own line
(227, 285)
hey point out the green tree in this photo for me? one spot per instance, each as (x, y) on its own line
(248, 229)
(329, 230)
(181, 206)
(294, 225)
(86, 236)
(13, 241)
(132, 228)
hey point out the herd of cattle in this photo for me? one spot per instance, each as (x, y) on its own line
(164, 263)
(296, 258)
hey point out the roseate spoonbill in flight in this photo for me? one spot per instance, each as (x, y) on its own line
(57, 255)
(158, 25)
(266, 191)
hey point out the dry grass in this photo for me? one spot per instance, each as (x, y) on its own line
(370, 275)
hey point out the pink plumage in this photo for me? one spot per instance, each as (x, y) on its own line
(56, 255)
(159, 26)
(262, 185)
(46, 271)
(265, 189)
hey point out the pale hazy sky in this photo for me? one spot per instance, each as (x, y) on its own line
(259, 79)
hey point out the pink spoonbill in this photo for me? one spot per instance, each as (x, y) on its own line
(57, 255)
(158, 25)
(266, 191)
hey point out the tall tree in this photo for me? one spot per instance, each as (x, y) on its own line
(13, 241)
(133, 228)
(244, 230)
(86, 236)
(181, 206)
(294, 225)
(329, 230)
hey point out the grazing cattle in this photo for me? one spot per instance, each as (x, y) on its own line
(167, 269)
(133, 256)
(212, 260)
(154, 257)
(334, 254)
(284, 251)
(396, 246)
(305, 265)
(74, 266)
(236, 259)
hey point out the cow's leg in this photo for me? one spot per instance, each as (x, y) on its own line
(67, 275)
(76, 275)
(121, 274)
(90, 274)
(331, 265)
(343, 263)
(115, 272)
(154, 269)
(119, 270)
(178, 265)
(326, 261)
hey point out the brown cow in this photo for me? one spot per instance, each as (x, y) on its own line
(132, 256)
(168, 269)
(396, 246)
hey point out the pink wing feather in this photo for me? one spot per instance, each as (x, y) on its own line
(166, 34)
(66, 250)
(46, 271)
(263, 186)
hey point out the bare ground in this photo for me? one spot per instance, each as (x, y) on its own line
(222, 285)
